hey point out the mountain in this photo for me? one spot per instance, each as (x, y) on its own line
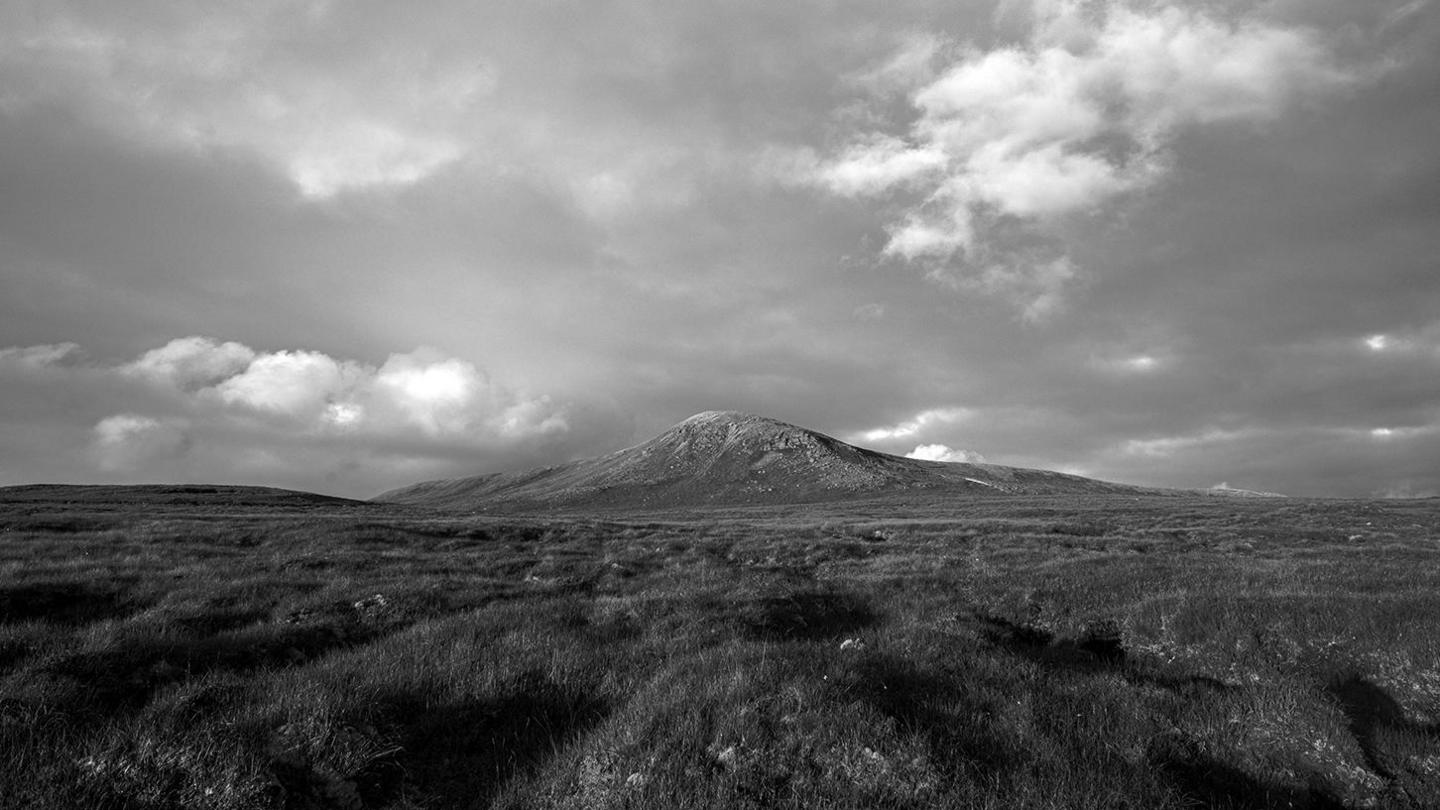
(730, 458)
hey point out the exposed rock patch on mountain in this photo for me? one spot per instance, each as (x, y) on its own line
(732, 458)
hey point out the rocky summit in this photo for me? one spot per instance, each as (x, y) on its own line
(732, 458)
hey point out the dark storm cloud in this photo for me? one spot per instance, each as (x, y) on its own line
(642, 210)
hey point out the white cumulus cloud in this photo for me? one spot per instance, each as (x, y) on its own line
(291, 383)
(446, 396)
(423, 394)
(1075, 117)
(879, 164)
(909, 428)
(192, 362)
(204, 409)
(940, 452)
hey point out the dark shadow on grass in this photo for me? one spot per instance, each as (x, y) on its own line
(1373, 714)
(1218, 786)
(60, 523)
(924, 703)
(67, 603)
(12, 653)
(219, 621)
(1214, 784)
(1100, 648)
(809, 615)
(464, 754)
(124, 678)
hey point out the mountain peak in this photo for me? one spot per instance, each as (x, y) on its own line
(733, 419)
(731, 457)
(734, 424)
(718, 416)
(739, 444)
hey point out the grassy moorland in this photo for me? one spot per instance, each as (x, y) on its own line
(1152, 652)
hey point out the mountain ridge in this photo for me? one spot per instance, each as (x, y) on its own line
(734, 458)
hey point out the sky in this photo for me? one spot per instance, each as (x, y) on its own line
(346, 245)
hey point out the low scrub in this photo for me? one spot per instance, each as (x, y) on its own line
(1013, 653)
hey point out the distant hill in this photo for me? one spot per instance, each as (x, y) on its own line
(167, 497)
(730, 458)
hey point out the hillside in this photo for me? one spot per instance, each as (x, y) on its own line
(151, 498)
(732, 458)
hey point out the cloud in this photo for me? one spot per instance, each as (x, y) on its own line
(192, 362)
(226, 78)
(607, 234)
(435, 396)
(940, 452)
(296, 384)
(1403, 14)
(916, 425)
(1264, 456)
(1038, 286)
(1126, 365)
(1168, 446)
(1401, 343)
(445, 396)
(422, 394)
(129, 442)
(879, 164)
(1077, 116)
(38, 357)
(202, 408)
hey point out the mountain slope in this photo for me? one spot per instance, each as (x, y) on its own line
(727, 457)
